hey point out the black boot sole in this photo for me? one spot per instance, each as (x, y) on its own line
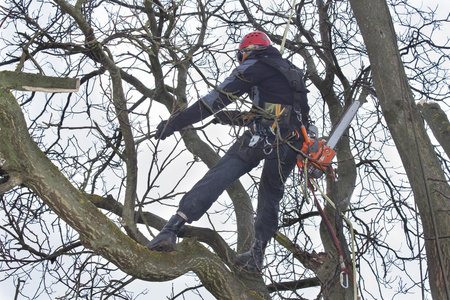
(163, 246)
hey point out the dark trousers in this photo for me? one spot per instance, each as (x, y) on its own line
(238, 160)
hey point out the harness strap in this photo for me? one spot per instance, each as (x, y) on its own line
(294, 76)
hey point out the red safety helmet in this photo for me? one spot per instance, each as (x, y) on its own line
(250, 42)
(255, 38)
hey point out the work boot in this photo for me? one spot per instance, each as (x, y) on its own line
(167, 237)
(253, 260)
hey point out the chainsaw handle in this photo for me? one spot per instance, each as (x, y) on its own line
(305, 134)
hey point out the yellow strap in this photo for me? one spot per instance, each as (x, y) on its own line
(278, 112)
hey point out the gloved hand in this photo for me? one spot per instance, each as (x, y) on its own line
(164, 129)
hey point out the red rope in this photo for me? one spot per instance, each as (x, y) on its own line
(344, 269)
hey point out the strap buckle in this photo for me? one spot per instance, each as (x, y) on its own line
(256, 138)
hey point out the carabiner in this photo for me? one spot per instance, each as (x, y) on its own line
(267, 150)
(344, 279)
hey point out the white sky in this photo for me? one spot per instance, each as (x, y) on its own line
(159, 290)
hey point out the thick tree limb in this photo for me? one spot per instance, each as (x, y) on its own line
(9, 183)
(438, 121)
(208, 236)
(37, 83)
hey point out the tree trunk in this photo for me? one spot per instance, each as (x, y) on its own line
(427, 179)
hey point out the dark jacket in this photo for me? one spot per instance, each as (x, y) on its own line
(261, 82)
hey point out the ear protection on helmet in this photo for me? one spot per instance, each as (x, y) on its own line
(242, 54)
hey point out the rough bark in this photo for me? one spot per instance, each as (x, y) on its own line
(22, 159)
(427, 179)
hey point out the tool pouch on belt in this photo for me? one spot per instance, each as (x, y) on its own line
(281, 117)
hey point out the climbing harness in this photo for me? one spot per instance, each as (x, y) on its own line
(276, 115)
(294, 76)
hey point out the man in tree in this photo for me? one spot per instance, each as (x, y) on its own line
(279, 109)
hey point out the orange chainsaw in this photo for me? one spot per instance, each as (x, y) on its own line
(318, 153)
